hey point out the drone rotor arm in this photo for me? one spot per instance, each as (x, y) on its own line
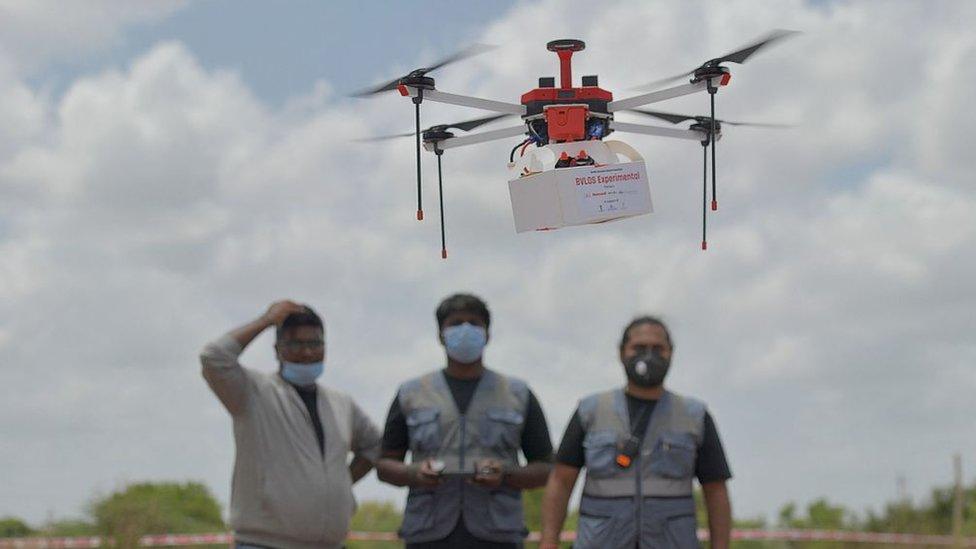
(482, 137)
(661, 95)
(466, 101)
(670, 117)
(692, 135)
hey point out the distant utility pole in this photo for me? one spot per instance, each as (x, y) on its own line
(901, 486)
(957, 503)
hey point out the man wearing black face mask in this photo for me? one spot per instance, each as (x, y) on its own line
(641, 447)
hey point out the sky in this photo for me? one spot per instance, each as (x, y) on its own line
(169, 169)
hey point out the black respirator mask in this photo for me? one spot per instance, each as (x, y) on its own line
(647, 369)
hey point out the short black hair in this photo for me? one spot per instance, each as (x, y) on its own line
(466, 303)
(640, 321)
(308, 317)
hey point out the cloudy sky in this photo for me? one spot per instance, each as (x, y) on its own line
(167, 169)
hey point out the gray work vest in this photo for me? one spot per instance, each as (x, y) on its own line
(490, 428)
(648, 504)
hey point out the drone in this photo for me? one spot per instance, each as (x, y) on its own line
(567, 126)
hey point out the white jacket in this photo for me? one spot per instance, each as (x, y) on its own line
(285, 493)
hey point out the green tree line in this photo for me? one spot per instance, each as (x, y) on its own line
(145, 508)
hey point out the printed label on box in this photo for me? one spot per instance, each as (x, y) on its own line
(610, 189)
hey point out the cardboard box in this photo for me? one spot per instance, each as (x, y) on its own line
(579, 196)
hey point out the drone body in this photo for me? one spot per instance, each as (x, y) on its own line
(571, 176)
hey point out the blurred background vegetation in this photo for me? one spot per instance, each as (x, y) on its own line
(189, 507)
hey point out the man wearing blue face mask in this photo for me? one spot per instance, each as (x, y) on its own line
(292, 483)
(464, 426)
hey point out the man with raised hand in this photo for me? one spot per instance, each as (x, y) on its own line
(642, 446)
(292, 484)
(464, 426)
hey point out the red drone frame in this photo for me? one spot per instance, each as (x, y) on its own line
(566, 113)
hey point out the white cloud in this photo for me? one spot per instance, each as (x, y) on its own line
(157, 206)
(35, 32)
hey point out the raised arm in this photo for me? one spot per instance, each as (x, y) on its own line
(219, 357)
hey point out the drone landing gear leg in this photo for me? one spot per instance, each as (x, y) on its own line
(416, 102)
(705, 189)
(711, 94)
(440, 196)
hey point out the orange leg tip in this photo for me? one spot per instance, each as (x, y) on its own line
(714, 205)
(420, 215)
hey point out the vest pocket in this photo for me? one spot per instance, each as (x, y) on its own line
(505, 510)
(418, 514)
(682, 531)
(674, 455)
(594, 532)
(600, 451)
(425, 430)
(501, 429)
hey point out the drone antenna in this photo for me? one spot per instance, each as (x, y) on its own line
(416, 102)
(440, 195)
(564, 48)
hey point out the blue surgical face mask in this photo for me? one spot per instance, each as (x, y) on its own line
(465, 342)
(301, 374)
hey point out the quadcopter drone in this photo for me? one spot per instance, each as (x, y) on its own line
(568, 124)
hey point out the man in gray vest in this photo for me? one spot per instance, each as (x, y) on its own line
(464, 426)
(641, 447)
(292, 485)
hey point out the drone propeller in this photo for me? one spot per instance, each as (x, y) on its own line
(470, 51)
(679, 118)
(710, 127)
(707, 72)
(419, 79)
(435, 134)
(739, 56)
(466, 126)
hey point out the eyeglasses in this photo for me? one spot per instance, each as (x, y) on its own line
(313, 345)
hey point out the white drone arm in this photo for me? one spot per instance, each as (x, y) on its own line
(468, 101)
(482, 137)
(660, 95)
(693, 135)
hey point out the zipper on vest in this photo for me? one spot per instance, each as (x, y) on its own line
(638, 477)
(461, 451)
